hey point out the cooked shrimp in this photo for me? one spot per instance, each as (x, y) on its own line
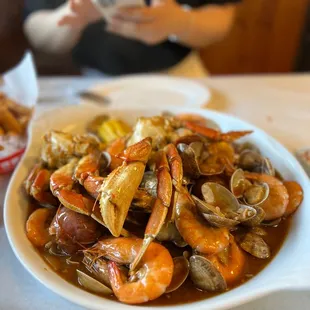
(150, 280)
(296, 196)
(230, 262)
(277, 201)
(196, 232)
(37, 226)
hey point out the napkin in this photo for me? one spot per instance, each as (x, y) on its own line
(20, 83)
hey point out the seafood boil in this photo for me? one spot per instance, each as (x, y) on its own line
(171, 210)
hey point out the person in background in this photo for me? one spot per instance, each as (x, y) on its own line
(159, 37)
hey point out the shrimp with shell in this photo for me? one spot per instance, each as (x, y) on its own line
(150, 280)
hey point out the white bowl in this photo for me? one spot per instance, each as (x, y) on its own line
(289, 270)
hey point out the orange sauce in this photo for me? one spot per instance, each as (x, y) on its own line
(187, 292)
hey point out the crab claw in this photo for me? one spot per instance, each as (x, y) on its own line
(137, 152)
(62, 184)
(76, 202)
(118, 190)
(37, 186)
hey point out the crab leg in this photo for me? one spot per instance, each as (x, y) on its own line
(176, 170)
(118, 189)
(214, 134)
(160, 209)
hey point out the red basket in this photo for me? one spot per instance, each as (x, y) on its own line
(8, 164)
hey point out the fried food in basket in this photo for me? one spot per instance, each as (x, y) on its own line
(14, 117)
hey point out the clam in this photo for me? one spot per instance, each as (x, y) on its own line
(257, 219)
(220, 221)
(190, 160)
(169, 232)
(259, 231)
(213, 215)
(98, 267)
(197, 162)
(249, 160)
(252, 194)
(253, 161)
(238, 183)
(256, 194)
(240, 147)
(255, 245)
(180, 273)
(92, 284)
(226, 203)
(149, 183)
(205, 276)
(267, 167)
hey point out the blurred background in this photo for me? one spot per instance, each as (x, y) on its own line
(269, 36)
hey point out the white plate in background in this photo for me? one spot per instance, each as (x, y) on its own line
(152, 90)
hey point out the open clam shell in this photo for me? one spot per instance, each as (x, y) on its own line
(196, 161)
(169, 232)
(255, 245)
(220, 197)
(180, 273)
(190, 161)
(252, 194)
(220, 221)
(257, 219)
(249, 160)
(98, 267)
(92, 284)
(205, 276)
(256, 194)
(238, 183)
(245, 213)
(213, 215)
(253, 161)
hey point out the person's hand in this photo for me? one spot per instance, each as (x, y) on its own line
(83, 13)
(151, 25)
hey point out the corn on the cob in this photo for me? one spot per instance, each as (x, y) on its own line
(113, 129)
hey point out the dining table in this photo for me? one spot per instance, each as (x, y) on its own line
(277, 103)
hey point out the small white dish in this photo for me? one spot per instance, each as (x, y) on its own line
(152, 90)
(289, 270)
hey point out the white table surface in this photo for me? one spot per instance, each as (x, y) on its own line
(278, 104)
